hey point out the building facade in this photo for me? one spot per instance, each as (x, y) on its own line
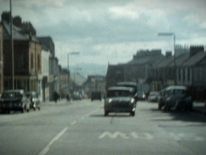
(1, 59)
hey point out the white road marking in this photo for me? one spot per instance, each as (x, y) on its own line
(46, 149)
(134, 135)
(113, 135)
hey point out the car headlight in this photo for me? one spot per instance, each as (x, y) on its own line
(110, 100)
(132, 100)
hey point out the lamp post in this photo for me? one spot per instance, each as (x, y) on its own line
(68, 54)
(12, 46)
(174, 42)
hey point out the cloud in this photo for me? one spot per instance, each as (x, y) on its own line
(112, 30)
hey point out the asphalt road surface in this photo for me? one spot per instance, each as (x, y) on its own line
(80, 128)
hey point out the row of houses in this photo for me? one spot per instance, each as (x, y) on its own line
(36, 67)
(153, 71)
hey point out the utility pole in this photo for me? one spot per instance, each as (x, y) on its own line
(174, 57)
(12, 46)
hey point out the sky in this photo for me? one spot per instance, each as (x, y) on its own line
(111, 31)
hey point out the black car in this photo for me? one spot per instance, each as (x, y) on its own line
(96, 95)
(34, 100)
(14, 100)
(119, 99)
(176, 98)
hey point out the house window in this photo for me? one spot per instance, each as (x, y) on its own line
(183, 74)
(39, 63)
(188, 74)
(32, 61)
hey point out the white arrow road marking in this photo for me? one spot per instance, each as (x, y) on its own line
(46, 149)
(113, 135)
(146, 135)
(134, 135)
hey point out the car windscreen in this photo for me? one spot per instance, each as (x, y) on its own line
(119, 93)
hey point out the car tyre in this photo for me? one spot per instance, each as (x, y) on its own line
(132, 113)
(106, 113)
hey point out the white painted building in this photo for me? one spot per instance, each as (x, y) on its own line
(44, 82)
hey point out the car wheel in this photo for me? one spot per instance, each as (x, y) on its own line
(132, 113)
(106, 113)
(159, 107)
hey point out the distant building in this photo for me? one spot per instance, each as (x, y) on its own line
(139, 69)
(44, 76)
(63, 82)
(48, 45)
(94, 83)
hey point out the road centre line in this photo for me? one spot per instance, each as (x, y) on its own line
(58, 136)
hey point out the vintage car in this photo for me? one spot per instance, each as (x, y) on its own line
(34, 100)
(119, 99)
(153, 96)
(131, 85)
(14, 100)
(176, 98)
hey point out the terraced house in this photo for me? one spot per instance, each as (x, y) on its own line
(27, 54)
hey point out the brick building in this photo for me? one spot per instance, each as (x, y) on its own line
(27, 56)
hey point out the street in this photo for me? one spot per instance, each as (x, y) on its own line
(81, 128)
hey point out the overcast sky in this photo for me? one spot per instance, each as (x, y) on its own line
(112, 31)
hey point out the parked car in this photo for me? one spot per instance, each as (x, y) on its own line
(96, 95)
(141, 95)
(14, 100)
(131, 85)
(162, 99)
(177, 98)
(119, 99)
(153, 96)
(34, 100)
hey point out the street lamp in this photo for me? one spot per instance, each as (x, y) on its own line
(12, 46)
(174, 57)
(68, 54)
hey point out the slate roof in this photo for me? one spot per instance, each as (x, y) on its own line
(18, 33)
(195, 59)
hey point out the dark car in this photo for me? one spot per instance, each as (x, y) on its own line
(131, 85)
(14, 100)
(153, 96)
(34, 100)
(96, 96)
(162, 99)
(119, 99)
(176, 98)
